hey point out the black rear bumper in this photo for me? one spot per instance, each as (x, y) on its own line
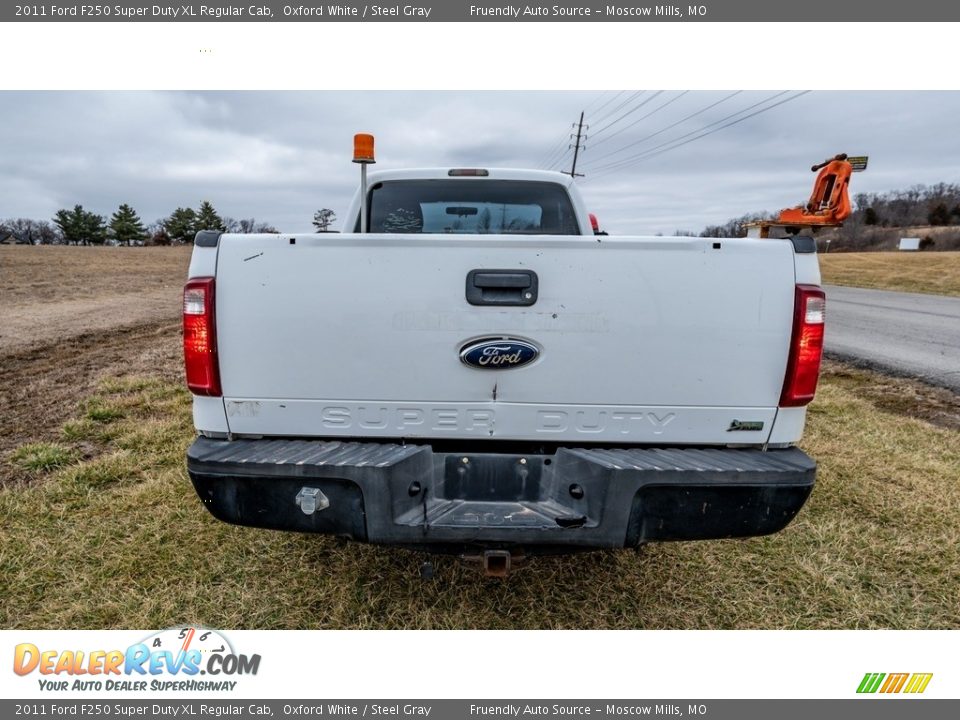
(576, 498)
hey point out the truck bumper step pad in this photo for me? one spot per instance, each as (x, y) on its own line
(575, 498)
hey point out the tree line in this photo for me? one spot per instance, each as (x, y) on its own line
(876, 218)
(935, 205)
(79, 226)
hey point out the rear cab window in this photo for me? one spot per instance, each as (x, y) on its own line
(475, 207)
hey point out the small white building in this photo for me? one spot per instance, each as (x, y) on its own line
(909, 244)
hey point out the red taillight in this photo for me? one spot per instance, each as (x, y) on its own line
(200, 337)
(806, 347)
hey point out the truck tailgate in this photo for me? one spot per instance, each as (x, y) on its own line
(641, 339)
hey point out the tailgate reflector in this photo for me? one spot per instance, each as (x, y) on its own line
(806, 347)
(200, 337)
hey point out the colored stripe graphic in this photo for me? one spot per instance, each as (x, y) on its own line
(870, 682)
(894, 683)
(918, 682)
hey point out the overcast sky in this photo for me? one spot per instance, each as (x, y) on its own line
(279, 156)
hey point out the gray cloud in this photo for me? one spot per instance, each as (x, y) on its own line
(278, 156)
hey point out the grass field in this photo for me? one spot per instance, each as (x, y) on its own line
(119, 539)
(101, 528)
(49, 294)
(937, 273)
(59, 273)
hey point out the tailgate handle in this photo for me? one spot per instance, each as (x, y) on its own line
(502, 287)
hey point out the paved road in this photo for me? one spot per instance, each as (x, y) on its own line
(906, 333)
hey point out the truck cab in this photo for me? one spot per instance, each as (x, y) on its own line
(469, 201)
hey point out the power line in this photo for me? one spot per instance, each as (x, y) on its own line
(547, 160)
(628, 112)
(559, 161)
(576, 150)
(619, 107)
(550, 155)
(673, 144)
(610, 100)
(694, 132)
(596, 100)
(556, 164)
(550, 159)
(641, 119)
(662, 130)
(566, 138)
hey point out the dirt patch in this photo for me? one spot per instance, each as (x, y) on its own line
(38, 325)
(898, 395)
(72, 316)
(43, 387)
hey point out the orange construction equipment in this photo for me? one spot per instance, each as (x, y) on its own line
(829, 203)
(828, 206)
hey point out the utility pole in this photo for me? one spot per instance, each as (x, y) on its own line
(576, 149)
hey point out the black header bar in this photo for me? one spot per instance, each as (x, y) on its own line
(852, 11)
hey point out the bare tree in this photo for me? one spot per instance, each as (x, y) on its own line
(23, 229)
(45, 233)
(323, 219)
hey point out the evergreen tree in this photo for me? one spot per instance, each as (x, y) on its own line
(81, 227)
(181, 226)
(126, 226)
(67, 221)
(208, 219)
(94, 228)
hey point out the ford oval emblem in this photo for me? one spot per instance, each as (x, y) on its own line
(498, 353)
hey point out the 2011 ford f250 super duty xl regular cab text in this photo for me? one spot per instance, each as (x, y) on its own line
(479, 372)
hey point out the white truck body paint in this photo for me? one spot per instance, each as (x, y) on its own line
(644, 340)
(500, 420)
(209, 416)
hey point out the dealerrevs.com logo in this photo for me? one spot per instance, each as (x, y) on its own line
(169, 660)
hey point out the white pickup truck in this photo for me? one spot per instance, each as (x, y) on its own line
(481, 373)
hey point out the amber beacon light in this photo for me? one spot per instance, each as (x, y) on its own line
(363, 148)
(363, 154)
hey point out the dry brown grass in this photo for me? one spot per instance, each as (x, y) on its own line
(51, 294)
(53, 273)
(937, 273)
